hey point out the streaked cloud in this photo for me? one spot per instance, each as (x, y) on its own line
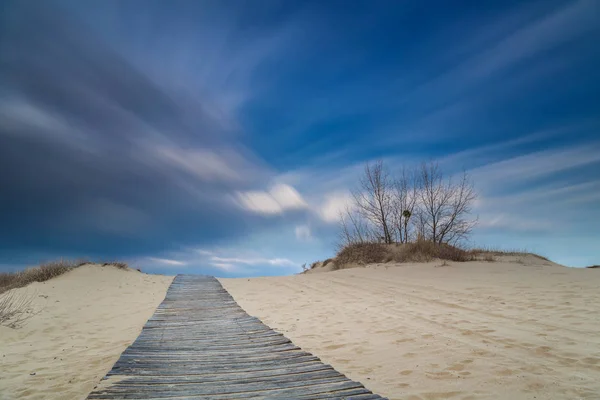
(166, 261)
(278, 199)
(217, 130)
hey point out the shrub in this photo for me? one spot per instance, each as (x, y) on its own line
(361, 253)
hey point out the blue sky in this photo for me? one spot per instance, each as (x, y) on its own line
(222, 137)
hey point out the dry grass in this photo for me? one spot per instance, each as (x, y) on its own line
(15, 308)
(362, 253)
(489, 257)
(12, 280)
(420, 251)
(117, 264)
(490, 252)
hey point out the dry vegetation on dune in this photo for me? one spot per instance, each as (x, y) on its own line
(359, 254)
(419, 251)
(15, 307)
(46, 271)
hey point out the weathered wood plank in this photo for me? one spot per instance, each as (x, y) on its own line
(200, 344)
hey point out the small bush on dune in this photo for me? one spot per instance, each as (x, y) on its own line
(362, 253)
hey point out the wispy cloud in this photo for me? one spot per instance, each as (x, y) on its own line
(278, 199)
(535, 165)
(282, 262)
(548, 31)
(166, 261)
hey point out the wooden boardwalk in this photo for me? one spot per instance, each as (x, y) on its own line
(200, 344)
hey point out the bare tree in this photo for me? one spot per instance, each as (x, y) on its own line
(353, 229)
(373, 200)
(404, 200)
(444, 206)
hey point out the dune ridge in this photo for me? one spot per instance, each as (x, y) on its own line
(519, 328)
(83, 321)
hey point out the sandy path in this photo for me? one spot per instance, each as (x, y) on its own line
(466, 331)
(87, 318)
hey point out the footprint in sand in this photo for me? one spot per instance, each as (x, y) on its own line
(443, 375)
(542, 350)
(591, 360)
(505, 372)
(334, 346)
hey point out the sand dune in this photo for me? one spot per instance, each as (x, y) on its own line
(506, 330)
(86, 318)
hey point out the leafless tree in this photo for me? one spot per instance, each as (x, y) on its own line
(373, 200)
(444, 205)
(404, 199)
(353, 228)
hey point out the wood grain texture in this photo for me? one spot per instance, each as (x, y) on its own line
(200, 344)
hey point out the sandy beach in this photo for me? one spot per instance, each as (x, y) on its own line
(526, 329)
(85, 319)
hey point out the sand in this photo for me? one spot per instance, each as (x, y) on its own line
(527, 329)
(85, 319)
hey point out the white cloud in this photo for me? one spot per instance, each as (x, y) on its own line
(166, 261)
(303, 232)
(283, 262)
(278, 199)
(335, 203)
(224, 266)
(259, 202)
(207, 165)
(287, 197)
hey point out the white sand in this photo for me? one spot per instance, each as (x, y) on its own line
(90, 315)
(465, 331)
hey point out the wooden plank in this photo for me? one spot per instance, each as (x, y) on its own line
(225, 372)
(200, 344)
